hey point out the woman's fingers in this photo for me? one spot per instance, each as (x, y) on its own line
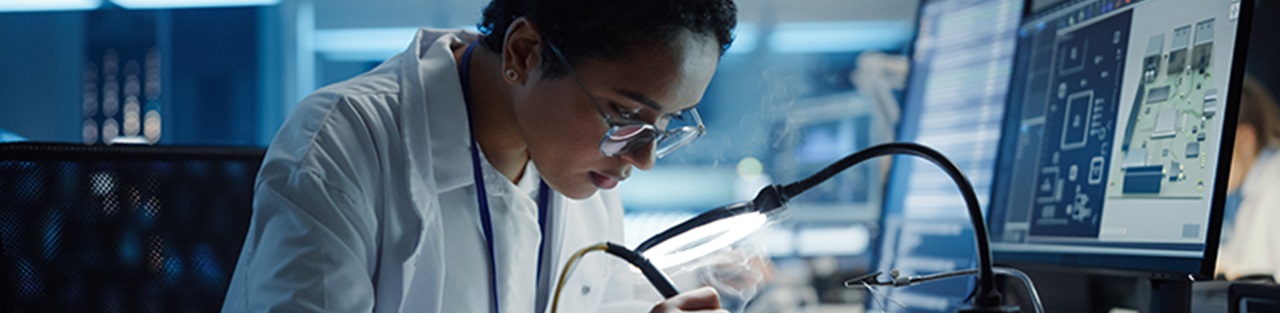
(703, 299)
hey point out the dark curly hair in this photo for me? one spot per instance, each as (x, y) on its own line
(604, 29)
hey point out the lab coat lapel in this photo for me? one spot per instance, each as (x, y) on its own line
(432, 123)
(447, 127)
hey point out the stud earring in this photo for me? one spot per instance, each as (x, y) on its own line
(512, 75)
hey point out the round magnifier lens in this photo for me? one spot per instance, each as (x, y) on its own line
(705, 239)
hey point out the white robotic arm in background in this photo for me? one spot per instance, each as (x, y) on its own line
(878, 75)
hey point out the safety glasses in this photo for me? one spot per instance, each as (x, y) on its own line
(671, 132)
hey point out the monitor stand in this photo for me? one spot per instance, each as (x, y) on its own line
(1168, 295)
(1073, 289)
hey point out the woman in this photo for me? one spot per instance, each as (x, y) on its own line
(1252, 246)
(459, 175)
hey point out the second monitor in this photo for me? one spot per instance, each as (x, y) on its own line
(1117, 134)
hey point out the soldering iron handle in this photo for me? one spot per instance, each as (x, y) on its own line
(655, 276)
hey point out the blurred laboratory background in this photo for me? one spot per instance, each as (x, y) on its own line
(805, 83)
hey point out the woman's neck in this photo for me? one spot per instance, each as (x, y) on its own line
(492, 118)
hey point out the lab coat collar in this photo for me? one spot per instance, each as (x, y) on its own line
(431, 76)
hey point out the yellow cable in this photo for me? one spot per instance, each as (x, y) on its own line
(568, 267)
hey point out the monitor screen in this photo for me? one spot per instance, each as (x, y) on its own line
(122, 229)
(954, 103)
(1118, 134)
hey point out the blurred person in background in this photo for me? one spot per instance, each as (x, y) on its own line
(1251, 224)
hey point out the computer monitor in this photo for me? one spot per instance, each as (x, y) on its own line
(961, 60)
(1118, 134)
(121, 228)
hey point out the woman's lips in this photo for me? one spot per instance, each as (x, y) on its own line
(603, 181)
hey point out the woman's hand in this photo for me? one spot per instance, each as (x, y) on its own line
(702, 299)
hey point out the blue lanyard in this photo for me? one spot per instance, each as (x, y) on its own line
(482, 196)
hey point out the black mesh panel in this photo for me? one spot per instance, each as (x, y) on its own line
(121, 229)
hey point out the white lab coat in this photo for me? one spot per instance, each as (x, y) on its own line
(1254, 247)
(366, 203)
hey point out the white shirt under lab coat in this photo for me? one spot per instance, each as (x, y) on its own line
(366, 203)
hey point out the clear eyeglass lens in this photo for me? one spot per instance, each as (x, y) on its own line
(627, 138)
(627, 132)
(675, 139)
(678, 130)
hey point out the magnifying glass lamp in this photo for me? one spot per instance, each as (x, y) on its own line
(721, 227)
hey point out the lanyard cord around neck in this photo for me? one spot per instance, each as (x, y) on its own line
(482, 196)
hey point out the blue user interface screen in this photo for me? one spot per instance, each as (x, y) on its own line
(961, 61)
(1114, 132)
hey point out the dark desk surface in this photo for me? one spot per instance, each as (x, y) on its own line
(1240, 296)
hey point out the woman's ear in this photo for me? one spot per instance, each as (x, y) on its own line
(521, 51)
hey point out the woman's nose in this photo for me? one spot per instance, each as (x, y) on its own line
(642, 158)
